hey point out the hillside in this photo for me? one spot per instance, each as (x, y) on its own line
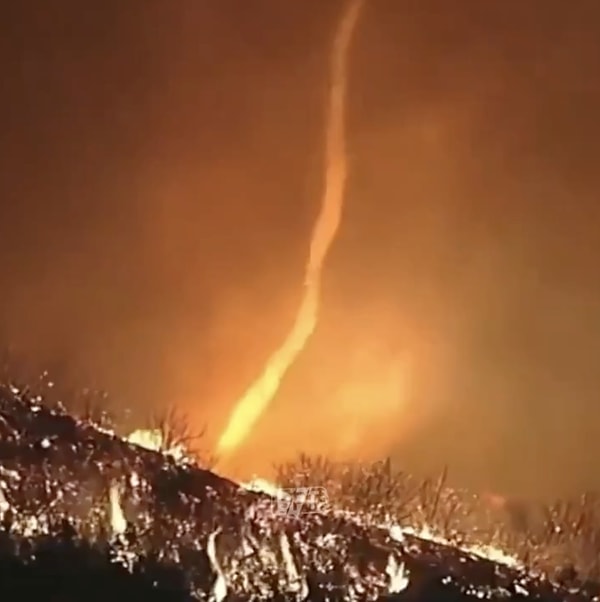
(86, 515)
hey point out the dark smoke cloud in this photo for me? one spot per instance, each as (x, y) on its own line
(160, 173)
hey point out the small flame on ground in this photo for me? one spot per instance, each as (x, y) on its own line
(152, 439)
(263, 486)
(219, 589)
(297, 582)
(117, 517)
(398, 576)
(4, 505)
(489, 552)
(147, 438)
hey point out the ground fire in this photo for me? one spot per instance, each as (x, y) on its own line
(99, 516)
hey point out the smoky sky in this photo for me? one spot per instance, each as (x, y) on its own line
(161, 169)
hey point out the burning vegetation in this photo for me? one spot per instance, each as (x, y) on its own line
(88, 514)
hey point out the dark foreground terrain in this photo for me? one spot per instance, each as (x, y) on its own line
(87, 516)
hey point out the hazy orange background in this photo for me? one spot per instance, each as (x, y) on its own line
(161, 170)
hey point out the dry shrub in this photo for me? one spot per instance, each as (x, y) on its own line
(176, 433)
(546, 536)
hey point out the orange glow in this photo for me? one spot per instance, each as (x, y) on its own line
(368, 407)
(257, 398)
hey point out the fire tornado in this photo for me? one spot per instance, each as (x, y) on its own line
(257, 398)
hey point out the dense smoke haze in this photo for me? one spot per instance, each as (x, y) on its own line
(160, 174)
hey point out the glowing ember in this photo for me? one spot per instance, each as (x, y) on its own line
(255, 401)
